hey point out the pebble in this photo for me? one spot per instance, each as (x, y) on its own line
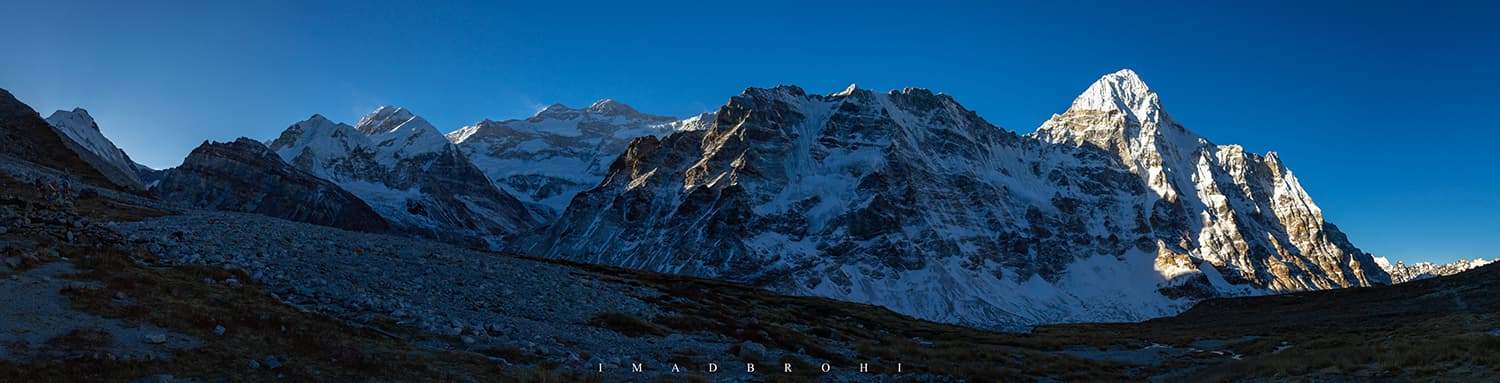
(218, 330)
(254, 364)
(272, 363)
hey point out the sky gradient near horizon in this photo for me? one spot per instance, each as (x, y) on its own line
(1385, 110)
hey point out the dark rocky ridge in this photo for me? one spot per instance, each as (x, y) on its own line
(246, 176)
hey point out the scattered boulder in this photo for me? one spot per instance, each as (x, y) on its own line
(156, 339)
(752, 351)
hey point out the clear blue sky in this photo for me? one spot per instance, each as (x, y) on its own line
(1387, 111)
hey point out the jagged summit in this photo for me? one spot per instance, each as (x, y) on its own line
(1120, 91)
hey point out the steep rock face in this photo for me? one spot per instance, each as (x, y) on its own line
(102, 153)
(547, 159)
(26, 137)
(1402, 272)
(246, 176)
(1243, 213)
(909, 201)
(408, 172)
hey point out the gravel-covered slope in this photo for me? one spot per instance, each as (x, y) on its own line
(450, 296)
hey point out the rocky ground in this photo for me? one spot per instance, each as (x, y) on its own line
(121, 287)
(39, 324)
(449, 297)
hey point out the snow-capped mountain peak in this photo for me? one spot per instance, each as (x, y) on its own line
(398, 133)
(315, 143)
(80, 127)
(318, 123)
(1120, 91)
(78, 117)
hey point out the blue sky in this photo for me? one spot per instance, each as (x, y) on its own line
(1386, 111)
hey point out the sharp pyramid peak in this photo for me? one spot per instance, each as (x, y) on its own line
(1119, 91)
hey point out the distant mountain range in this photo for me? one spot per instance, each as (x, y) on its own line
(1401, 272)
(1110, 211)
